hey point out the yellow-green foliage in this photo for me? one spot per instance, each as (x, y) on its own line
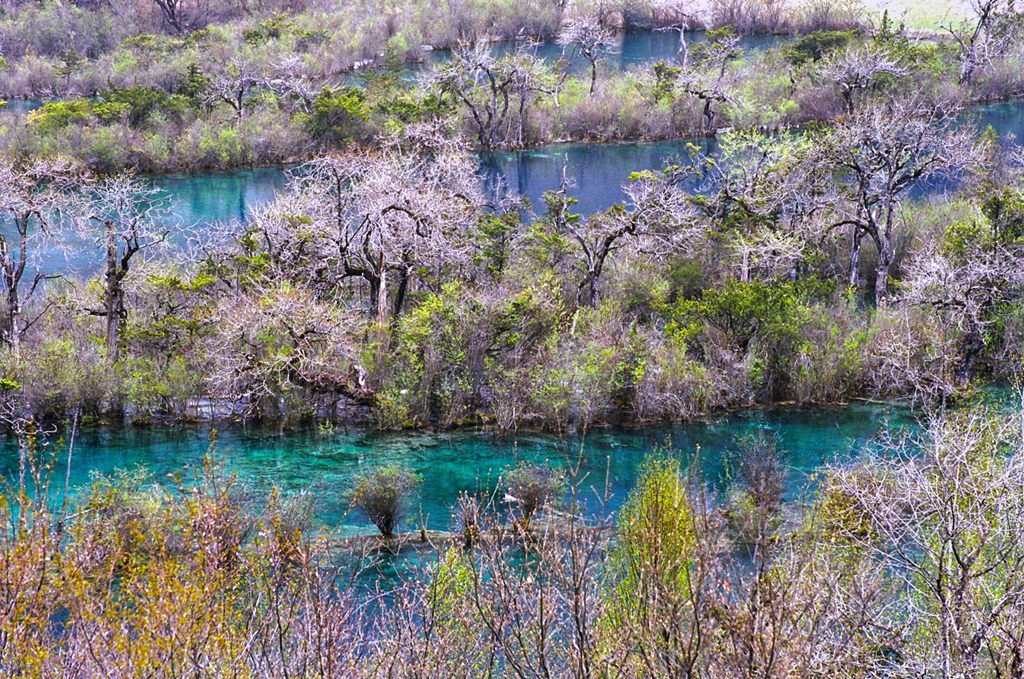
(147, 578)
(450, 588)
(655, 546)
(428, 362)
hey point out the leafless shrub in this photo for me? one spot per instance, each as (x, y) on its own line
(946, 522)
(911, 354)
(828, 15)
(751, 16)
(756, 502)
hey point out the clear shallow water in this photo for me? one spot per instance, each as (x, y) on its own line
(449, 463)
(221, 196)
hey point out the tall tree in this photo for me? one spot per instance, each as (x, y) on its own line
(705, 79)
(857, 71)
(391, 217)
(496, 92)
(130, 222)
(588, 36)
(32, 198)
(878, 155)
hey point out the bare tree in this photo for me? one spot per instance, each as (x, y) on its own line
(963, 282)
(131, 220)
(291, 76)
(588, 36)
(496, 92)
(233, 83)
(985, 36)
(32, 197)
(945, 517)
(855, 71)
(277, 347)
(385, 217)
(654, 219)
(706, 80)
(680, 16)
(531, 78)
(879, 154)
(183, 15)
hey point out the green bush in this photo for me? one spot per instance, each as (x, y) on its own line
(338, 115)
(56, 115)
(654, 551)
(816, 45)
(142, 102)
(429, 364)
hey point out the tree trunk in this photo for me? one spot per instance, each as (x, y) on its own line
(848, 98)
(971, 347)
(855, 243)
(11, 313)
(586, 292)
(115, 311)
(12, 271)
(403, 287)
(709, 118)
(113, 298)
(683, 53)
(885, 257)
(382, 298)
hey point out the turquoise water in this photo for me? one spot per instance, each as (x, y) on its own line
(324, 464)
(219, 196)
(597, 173)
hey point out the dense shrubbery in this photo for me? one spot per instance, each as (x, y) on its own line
(384, 283)
(278, 87)
(429, 309)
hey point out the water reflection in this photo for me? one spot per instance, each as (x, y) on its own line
(597, 172)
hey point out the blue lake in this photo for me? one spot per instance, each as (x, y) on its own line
(597, 172)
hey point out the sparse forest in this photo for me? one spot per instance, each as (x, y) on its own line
(841, 224)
